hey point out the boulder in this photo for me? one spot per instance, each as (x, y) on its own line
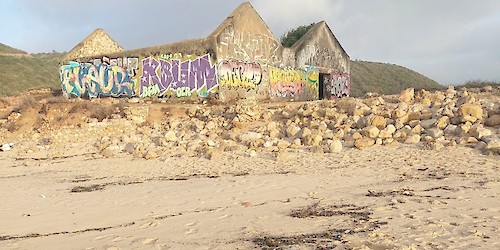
(413, 139)
(378, 121)
(492, 121)
(472, 110)
(371, 132)
(364, 143)
(407, 95)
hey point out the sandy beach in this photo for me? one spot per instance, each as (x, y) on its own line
(71, 194)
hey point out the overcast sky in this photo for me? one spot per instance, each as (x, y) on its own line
(450, 41)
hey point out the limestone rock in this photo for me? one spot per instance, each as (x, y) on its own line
(413, 139)
(371, 132)
(387, 132)
(442, 122)
(170, 136)
(364, 143)
(407, 95)
(378, 121)
(472, 110)
(249, 136)
(335, 146)
(479, 133)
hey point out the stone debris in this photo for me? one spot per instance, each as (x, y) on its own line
(430, 120)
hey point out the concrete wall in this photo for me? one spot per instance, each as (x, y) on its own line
(240, 59)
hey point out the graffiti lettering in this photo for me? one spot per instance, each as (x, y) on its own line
(183, 92)
(197, 75)
(247, 46)
(89, 80)
(236, 74)
(339, 85)
(294, 83)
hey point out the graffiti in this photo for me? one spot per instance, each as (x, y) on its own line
(94, 80)
(294, 83)
(196, 75)
(313, 54)
(247, 46)
(236, 74)
(338, 85)
(183, 92)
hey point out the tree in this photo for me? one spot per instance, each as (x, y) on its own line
(293, 35)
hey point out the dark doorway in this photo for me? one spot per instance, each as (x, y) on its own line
(323, 81)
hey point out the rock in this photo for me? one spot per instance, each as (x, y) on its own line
(378, 121)
(252, 153)
(274, 133)
(108, 152)
(414, 116)
(413, 139)
(479, 133)
(129, 148)
(387, 132)
(407, 95)
(433, 146)
(356, 136)
(434, 132)
(249, 136)
(492, 121)
(150, 154)
(468, 118)
(442, 122)
(451, 130)
(371, 132)
(426, 124)
(364, 143)
(292, 130)
(487, 88)
(316, 139)
(7, 147)
(210, 125)
(170, 136)
(335, 146)
(472, 110)
(398, 113)
(304, 133)
(493, 144)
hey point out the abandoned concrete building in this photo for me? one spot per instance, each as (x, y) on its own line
(240, 59)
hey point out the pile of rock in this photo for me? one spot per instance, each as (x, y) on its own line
(430, 119)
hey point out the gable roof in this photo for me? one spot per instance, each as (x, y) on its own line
(98, 42)
(241, 16)
(314, 31)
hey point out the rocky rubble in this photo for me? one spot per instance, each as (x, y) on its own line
(430, 120)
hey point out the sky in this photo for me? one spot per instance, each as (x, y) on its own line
(450, 41)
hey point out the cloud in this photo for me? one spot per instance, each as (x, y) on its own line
(447, 40)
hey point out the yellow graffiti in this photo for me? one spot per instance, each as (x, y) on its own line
(294, 83)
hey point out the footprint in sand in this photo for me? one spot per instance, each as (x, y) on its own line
(191, 224)
(191, 231)
(103, 237)
(149, 224)
(150, 241)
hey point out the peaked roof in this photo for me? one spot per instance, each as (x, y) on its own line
(314, 31)
(98, 42)
(244, 13)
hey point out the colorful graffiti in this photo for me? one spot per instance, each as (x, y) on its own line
(98, 79)
(294, 83)
(236, 74)
(168, 76)
(339, 85)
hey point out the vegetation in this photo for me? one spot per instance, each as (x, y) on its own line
(384, 78)
(4, 49)
(478, 83)
(293, 35)
(21, 73)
